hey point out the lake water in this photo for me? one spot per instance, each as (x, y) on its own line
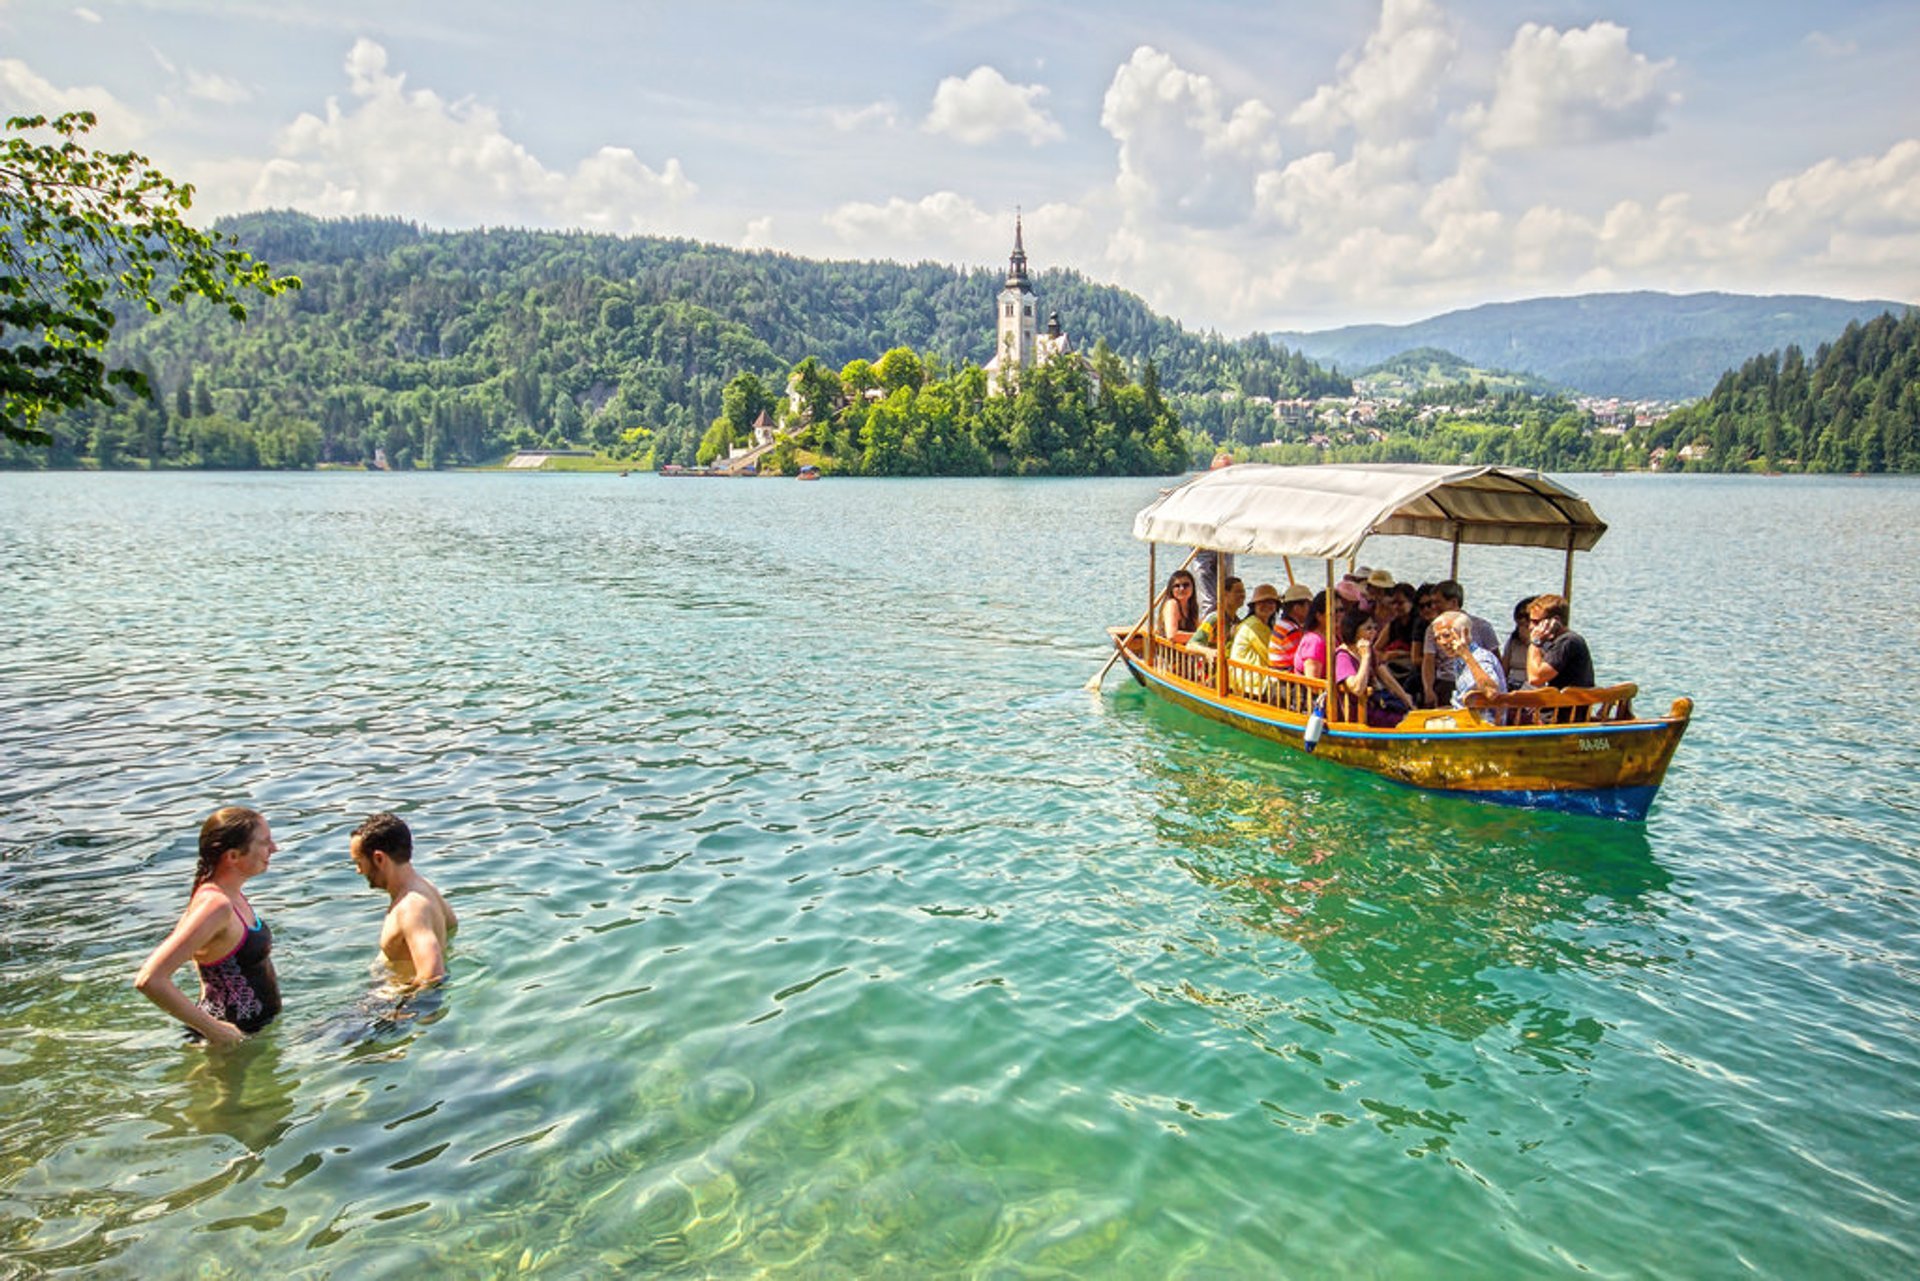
(816, 922)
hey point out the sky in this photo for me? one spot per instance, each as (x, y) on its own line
(1286, 164)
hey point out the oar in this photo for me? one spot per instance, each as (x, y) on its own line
(1093, 684)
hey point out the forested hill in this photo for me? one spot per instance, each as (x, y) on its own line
(1645, 345)
(1855, 407)
(452, 347)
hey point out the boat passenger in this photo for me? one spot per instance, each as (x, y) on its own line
(1425, 606)
(1479, 667)
(222, 934)
(1514, 654)
(1204, 639)
(1438, 671)
(1289, 625)
(1556, 656)
(1179, 611)
(1206, 566)
(1379, 584)
(1393, 610)
(1363, 682)
(1251, 640)
(1310, 655)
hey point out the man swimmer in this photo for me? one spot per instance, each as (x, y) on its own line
(413, 939)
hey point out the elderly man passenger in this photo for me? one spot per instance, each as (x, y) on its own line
(1480, 667)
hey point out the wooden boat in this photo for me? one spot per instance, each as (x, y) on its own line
(1576, 750)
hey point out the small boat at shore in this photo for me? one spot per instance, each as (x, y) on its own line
(809, 472)
(1581, 751)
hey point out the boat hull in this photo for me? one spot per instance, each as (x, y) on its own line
(1607, 769)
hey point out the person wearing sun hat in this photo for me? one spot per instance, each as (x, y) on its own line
(1289, 625)
(1253, 637)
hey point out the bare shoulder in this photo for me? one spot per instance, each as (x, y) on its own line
(423, 904)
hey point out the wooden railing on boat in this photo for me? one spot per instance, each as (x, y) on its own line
(1289, 692)
(1559, 706)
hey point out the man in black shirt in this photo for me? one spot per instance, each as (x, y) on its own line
(1556, 656)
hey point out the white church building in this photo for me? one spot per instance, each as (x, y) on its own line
(1019, 342)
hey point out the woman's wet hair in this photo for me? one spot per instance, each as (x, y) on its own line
(226, 829)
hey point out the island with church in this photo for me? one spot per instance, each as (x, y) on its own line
(1039, 407)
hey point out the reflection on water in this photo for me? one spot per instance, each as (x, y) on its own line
(245, 1092)
(1419, 922)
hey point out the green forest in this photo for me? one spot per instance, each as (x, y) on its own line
(437, 349)
(1855, 407)
(455, 348)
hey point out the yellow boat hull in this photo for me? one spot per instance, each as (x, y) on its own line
(1606, 768)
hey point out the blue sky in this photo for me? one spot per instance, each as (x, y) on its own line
(1285, 164)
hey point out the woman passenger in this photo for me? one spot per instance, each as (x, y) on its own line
(1310, 655)
(222, 934)
(1179, 608)
(1513, 656)
(1368, 687)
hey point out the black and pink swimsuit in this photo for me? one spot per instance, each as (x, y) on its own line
(241, 987)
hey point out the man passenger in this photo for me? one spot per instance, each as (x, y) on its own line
(1438, 672)
(1480, 667)
(1214, 634)
(413, 938)
(1556, 656)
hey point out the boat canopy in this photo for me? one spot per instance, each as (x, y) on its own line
(1327, 511)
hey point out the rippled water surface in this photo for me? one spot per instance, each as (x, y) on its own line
(816, 922)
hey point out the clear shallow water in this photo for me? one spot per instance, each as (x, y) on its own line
(815, 922)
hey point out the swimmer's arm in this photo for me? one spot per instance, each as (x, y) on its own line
(423, 942)
(197, 928)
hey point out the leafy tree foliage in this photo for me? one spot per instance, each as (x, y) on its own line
(1855, 407)
(470, 344)
(82, 230)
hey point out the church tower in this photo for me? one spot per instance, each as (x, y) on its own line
(1014, 337)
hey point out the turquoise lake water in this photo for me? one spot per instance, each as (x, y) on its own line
(816, 922)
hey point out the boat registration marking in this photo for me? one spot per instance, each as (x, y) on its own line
(1593, 744)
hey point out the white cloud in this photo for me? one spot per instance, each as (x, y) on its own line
(758, 235)
(986, 106)
(24, 92)
(216, 88)
(882, 115)
(87, 16)
(948, 227)
(1392, 88)
(1837, 203)
(1183, 155)
(451, 164)
(1564, 87)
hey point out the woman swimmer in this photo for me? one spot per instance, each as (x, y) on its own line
(225, 937)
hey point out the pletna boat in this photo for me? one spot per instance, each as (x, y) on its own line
(1576, 750)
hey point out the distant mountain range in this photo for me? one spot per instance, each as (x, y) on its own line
(1643, 345)
(1427, 368)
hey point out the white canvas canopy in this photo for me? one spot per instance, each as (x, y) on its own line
(1326, 512)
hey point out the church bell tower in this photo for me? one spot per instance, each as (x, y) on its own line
(1017, 327)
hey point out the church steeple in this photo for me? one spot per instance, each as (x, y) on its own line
(1017, 265)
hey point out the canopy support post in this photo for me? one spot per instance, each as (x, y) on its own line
(1221, 649)
(1453, 568)
(1333, 702)
(1566, 579)
(1153, 579)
